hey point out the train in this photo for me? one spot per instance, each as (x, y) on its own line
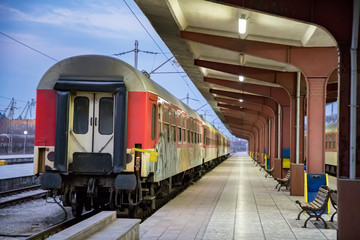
(107, 135)
(331, 150)
(330, 146)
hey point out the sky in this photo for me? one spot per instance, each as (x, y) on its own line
(55, 30)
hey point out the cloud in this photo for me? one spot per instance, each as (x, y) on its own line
(100, 20)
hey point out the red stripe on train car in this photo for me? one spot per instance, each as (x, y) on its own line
(45, 117)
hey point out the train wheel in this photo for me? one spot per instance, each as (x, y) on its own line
(87, 204)
(133, 211)
(77, 204)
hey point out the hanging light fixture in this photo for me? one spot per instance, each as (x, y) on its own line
(242, 24)
(241, 78)
(241, 100)
(242, 58)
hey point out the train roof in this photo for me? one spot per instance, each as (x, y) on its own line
(105, 68)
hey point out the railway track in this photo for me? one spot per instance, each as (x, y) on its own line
(19, 190)
(18, 200)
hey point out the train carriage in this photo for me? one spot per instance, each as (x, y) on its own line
(106, 134)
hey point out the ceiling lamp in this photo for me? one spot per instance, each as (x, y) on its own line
(242, 24)
(241, 100)
(241, 78)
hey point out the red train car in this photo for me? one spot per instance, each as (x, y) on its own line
(106, 133)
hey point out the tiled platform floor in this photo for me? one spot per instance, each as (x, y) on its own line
(233, 201)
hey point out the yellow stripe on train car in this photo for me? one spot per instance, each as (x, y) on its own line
(153, 154)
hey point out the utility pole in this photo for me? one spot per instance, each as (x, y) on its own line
(136, 50)
(188, 98)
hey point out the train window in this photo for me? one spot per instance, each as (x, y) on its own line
(173, 116)
(153, 122)
(174, 133)
(179, 134)
(166, 115)
(160, 130)
(326, 142)
(178, 120)
(167, 131)
(81, 115)
(334, 141)
(106, 111)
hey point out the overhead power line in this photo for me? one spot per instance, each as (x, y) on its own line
(29, 47)
(159, 47)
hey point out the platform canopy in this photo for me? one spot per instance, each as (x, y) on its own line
(204, 38)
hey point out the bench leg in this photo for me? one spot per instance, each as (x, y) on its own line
(317, 218)
(305, 223)
(332, 216)
(277, 185)
(298, 217)
(326, 226)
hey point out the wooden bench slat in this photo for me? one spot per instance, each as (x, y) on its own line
(319, 203)
(315, 205)
(321, 198)
(324, 194)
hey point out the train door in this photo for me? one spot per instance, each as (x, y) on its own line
(91, 123)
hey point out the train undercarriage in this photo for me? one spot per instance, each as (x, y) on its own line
(89, 192)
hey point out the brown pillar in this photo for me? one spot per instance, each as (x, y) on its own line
(316, 125)
(293, 128)
(273, 140)
(348, 190)
(302, 129)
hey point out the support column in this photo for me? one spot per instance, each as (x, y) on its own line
(302, 129)
(266, 145)
(285, 138)
(316, 96)
(293, 128)
(348, 210)
(273, 140)
(261, 146)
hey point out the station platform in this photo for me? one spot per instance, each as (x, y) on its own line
(16, 170)
(234, 201)
(16, 176)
